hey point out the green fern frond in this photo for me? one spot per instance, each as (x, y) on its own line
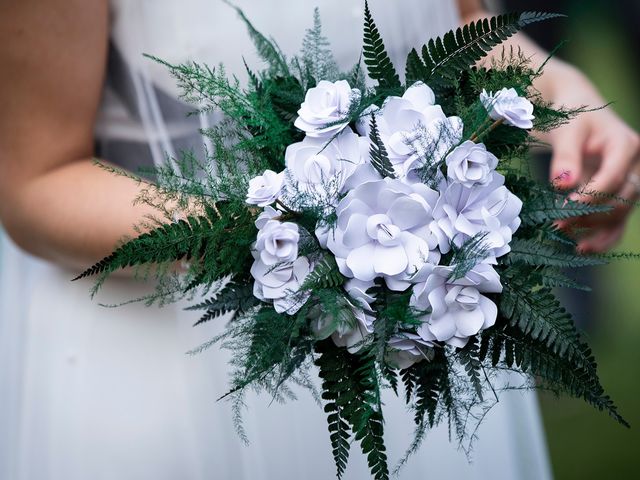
(533, 252)
(324, 275)
(378, 153)
(469, 358)
(443, 58)
(232, 298)
(554, 278)
(267, 49)
(350, 387)
(551, 206)
(375, 55)
(539, 315)
(183, 239)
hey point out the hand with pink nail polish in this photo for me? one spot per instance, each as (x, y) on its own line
(596, 153)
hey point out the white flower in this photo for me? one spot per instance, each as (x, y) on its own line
(383, 231)
(321, 169)
(325, 104)
(463, 212)
(458, 310)
(265, 189)
(281, 283)
(470, 163)
(414, 130)
(507, 105)
(407, 348)
(277, 242)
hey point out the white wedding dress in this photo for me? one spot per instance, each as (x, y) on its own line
(92, 393)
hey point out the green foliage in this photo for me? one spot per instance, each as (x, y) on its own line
(267, 49)
(548, 206)
(375, 55)
(443, 58)
(469, 358)
(467, 256)
(324, 275)
(184, 239)
(378, 152)
(317, 56)
(231, 298)
(539, 315)
(351, 391)
(533, 252)
(555, 372)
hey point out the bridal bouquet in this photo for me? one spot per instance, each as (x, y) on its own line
(389, 236)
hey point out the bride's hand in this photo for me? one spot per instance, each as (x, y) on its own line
(596, 150)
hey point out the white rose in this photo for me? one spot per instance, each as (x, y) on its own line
(320, 169)
(507, 105)
(265, 189)
(463, 212)
(457, 309)
(383, 231)
(277, 242)
(407, 348)
(414, 130)
(325, 104)
(281, 283)
(470, 163)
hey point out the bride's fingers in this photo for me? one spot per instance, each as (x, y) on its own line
(566, 162)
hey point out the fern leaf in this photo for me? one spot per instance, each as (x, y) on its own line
(551, 206)
(378, 152)
(375, 55)
(539, 315)
(267, 49)
(170, 242)
(551, 277)
(232, 298)
(324, 275)
(444, 58)
(533, 252)
(469, 357)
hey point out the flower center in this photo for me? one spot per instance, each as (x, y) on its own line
(381, 228)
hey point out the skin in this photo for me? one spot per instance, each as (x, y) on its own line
(56, 204)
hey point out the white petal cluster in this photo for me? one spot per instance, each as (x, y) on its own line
(470, 164)
(458, 310)
(390, 230)
(383, 232)
(280, 283)
(277, 270)
(407, 348)
(320, 169)
(508, 106)
(414, 130)
(265, 189)
(324, 107)
(463, 212)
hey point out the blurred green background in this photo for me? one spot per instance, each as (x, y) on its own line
(604, 41)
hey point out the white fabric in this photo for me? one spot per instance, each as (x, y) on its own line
(88, 392)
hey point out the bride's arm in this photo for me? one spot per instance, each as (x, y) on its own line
(54, 202)
(601, 135)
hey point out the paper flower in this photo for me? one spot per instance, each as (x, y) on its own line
(470, 164)
(277, 242)
(458, 310)
(383, 231)
(407, 348)
(414, 130)
(280, 283)
(265, 189)
(462, 212)
(323, 105)
(507, 105)
(320, 169)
